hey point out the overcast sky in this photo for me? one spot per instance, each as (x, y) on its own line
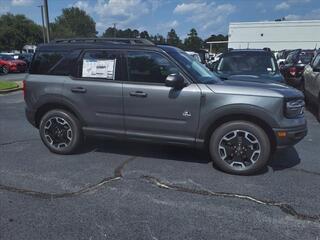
(158, 16)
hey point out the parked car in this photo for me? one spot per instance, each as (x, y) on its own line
(256, 65)
(204, 55)
(311, 83)
(282, 56)
(213, 60)
(293, 67)
(133, 89)
(194, 55)
(12, 65)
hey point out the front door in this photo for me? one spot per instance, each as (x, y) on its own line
(154, 110)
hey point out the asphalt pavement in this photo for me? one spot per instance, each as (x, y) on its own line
(12, 77)
(125, 190)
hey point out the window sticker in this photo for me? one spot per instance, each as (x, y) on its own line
(93, 68)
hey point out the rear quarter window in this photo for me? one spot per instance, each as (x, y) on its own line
(55, 63)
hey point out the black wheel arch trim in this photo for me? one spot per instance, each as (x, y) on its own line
(50, 102)
(237, 112)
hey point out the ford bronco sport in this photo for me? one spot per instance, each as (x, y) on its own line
(133, 89)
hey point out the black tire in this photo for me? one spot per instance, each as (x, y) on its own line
(60, 124)
(258, 148)
(5, 69)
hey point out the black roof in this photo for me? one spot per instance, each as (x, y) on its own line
(250, 50)
(76, 43)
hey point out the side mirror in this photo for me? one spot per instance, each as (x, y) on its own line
(175, 81)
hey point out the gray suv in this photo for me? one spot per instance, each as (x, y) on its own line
(133, 89)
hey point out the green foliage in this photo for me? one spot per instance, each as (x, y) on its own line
(73, 22)
(173, 39)
(127, 33)
(193, 42)
(17, 31)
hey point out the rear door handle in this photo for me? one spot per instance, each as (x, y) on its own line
(78, 90)
(138, 94)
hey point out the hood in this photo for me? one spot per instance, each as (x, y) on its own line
(264, 78)
(270, 89)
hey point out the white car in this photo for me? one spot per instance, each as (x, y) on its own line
(195, 55)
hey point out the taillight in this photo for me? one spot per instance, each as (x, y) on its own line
(292, 71)
(24, 88)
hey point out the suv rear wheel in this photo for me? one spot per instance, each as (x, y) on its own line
(60, 131)
(239, 147)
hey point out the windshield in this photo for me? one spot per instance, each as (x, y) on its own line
(6, 57)
(306, 57)
(196, 69)
(247, 63)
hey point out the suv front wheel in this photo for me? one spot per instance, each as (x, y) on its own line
(239, 147)
(60, 131)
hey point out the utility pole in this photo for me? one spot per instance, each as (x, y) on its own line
(43, 27)
(46, 17)
(114, 30)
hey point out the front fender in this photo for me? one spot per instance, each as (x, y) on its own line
(236, 110)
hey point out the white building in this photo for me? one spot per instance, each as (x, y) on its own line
(275, 35)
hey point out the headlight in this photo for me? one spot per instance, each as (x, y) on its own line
(294, 108)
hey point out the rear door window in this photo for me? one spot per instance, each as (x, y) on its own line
(305, 57)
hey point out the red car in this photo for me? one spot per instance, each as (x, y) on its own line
(9, 64)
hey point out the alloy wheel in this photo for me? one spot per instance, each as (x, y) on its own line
(240, 149)
(58, 132)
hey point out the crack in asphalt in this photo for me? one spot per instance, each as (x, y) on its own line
(285, 208)
(299, 170)
(19, 141)
(45, 195)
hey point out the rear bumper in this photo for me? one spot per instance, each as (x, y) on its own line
(30, 116)
(293, 135)
(294, 81)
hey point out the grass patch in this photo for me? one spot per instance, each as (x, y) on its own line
(5, 85)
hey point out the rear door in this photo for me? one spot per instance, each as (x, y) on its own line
(96, 90)
(153, 110)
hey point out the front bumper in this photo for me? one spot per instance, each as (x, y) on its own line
(292, 135)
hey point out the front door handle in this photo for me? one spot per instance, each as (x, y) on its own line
(138, 94)
(78, 90)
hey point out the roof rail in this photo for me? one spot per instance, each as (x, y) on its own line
(131, 41)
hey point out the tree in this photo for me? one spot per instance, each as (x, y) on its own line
(219, 47)
(193, 42)
(158, 39)
(17, 31)
(110, 32)
(73, 22)
(173, 39)
(144, 34)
